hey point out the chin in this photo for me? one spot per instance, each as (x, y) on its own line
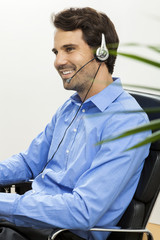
(66, 85)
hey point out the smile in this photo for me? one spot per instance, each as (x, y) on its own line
(67, 72)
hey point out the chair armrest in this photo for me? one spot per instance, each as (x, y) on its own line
(19, 188)
(149, 235)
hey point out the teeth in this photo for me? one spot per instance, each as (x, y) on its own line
(67, 72)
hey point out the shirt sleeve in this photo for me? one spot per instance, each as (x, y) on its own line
(113, 175)
(26, 165)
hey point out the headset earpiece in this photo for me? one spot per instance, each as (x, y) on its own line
(102, 52)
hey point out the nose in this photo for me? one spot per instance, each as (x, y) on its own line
(61, 59)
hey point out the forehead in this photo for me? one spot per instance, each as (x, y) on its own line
(62, 38)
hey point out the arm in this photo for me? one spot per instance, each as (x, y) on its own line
(113, 175)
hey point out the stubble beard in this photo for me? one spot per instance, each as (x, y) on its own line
(82, 81)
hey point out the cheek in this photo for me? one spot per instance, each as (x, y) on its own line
(76, 59)
(54, 63)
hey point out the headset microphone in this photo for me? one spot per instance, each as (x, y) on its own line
(69, 79)
(102, 53)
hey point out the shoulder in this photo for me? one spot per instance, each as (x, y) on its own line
(129, 106)
(123, 114)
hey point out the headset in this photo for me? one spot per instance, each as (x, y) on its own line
(102, 52)
(102, 55)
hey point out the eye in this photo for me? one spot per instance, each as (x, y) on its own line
(55, 51)
(69, 49)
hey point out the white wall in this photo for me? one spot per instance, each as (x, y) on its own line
(30, 88)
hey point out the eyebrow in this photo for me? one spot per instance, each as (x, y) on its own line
(65, 46)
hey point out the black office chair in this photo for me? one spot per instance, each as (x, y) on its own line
(133, 222)
(138, 212)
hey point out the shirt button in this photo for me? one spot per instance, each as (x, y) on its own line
(83, 110)
(42, 176)
(75, 130)
(67, 151)
(33, 191)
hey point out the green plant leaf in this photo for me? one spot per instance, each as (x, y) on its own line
(152, 138)
(155, 48)
(141, 87)
(152, 125)
(136, 57)
(147, 110)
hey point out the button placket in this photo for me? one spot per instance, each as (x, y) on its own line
(42, 176)
(67, 151)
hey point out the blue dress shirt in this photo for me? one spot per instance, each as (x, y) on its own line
(84, 185)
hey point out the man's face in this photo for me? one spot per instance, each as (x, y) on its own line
(72, 52)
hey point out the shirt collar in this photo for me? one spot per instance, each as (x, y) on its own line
(75, 98)
(104, 98)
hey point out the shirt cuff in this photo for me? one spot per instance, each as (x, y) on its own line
(8, 202)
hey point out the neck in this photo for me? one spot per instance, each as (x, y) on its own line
(102, 80)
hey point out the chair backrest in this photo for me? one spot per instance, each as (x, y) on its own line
(138, 212)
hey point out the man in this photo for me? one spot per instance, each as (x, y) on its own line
(78, 184)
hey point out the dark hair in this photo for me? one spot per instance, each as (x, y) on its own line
(92, 24)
